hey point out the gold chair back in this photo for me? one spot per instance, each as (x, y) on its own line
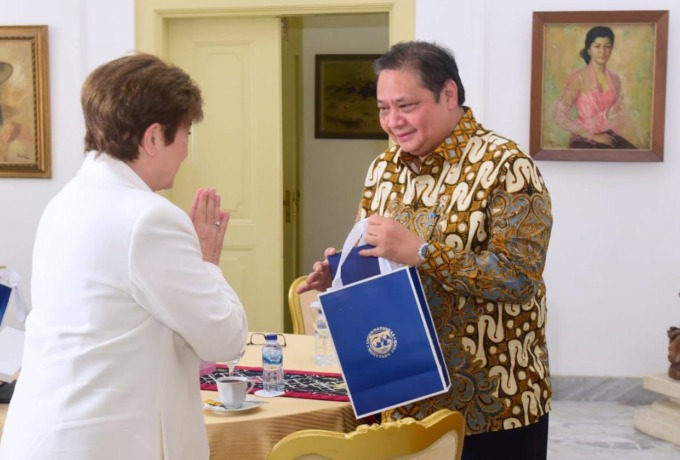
(299, 306)
(438, 436)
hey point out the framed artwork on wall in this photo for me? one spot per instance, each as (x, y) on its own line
(345, 101)
(598, 85)
(24, 102)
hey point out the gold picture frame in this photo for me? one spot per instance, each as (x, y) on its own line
(24, 102)
(581, 114)
(346, 106)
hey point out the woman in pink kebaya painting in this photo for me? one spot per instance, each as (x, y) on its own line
(597, 94)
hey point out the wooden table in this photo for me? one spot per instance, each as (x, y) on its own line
(3, 416)
(251, 434)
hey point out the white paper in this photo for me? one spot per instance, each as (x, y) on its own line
(11, 353)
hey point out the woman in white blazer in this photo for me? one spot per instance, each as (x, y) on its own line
(127, 293)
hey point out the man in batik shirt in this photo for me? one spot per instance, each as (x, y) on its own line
(471, 210)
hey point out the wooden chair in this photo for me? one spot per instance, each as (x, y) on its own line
(438, 436)
(299, 306)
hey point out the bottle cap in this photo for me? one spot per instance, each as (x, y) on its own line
(270, 337)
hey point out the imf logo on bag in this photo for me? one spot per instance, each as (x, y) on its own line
(381, 342)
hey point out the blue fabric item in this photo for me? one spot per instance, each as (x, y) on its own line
(5, 292)
(385, 341)
(356, 267)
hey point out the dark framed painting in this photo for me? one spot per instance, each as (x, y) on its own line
(345, 98)
(598, 85)
(24, 102)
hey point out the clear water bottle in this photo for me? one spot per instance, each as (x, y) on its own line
(272, 366)
(324, 353)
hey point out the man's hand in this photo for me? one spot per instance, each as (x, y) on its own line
(392, 241)
(320, 278)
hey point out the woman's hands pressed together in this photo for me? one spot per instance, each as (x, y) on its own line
(210, 223)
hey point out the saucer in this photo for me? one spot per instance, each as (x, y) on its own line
(217, 407)
(268, 394)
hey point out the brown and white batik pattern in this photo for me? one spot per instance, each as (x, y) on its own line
(482, 204)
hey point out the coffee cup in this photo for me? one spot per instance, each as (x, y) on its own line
(232, 391)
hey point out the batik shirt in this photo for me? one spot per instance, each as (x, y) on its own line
(482, 205)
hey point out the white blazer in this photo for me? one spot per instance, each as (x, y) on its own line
(123, 307)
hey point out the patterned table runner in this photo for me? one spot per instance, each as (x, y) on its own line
(298, 384)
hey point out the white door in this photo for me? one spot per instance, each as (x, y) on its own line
(237, 149)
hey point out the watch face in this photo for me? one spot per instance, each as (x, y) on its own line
(423, 251)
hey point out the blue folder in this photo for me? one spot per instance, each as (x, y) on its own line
(5, 292)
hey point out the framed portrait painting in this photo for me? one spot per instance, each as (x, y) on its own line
(24, 102)
(345, 105)
(598, 85)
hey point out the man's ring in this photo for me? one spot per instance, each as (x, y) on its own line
(217, 223)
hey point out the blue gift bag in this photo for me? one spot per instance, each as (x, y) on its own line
(385, 339)
(348, 266)
(355, 266)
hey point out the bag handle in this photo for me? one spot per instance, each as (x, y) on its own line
(357, 235)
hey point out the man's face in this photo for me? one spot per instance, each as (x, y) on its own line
(409, 113)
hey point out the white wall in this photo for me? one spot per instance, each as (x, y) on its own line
(81, 35)
(612, 272)
(334, 169)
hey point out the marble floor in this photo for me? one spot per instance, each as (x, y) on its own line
(594, 430)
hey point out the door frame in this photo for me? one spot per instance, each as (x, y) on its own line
(152, 17)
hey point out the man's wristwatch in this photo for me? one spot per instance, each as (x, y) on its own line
(422, 252)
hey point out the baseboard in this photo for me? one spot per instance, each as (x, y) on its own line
(625, 390)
